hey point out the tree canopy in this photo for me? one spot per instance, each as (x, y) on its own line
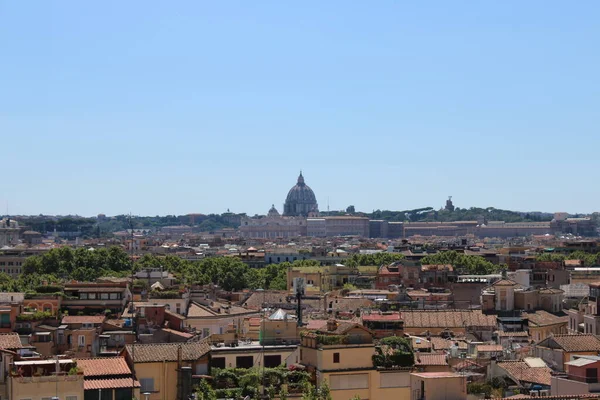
(472, 264)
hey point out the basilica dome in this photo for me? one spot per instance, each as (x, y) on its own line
(300, 200)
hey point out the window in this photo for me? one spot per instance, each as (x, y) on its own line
(83, 296)
(92, 296)
(336, 358)
(81, 340)
(205, 332)
(217, 362)
(178, 308)
(104, 296)
(147, 385)
(5, 321)
(46, 398)
(272, 361)
(71, 398)
(244, 361)
(114, 296)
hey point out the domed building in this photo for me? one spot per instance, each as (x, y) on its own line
(301, 200)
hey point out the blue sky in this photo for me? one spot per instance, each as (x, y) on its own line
(176, 107)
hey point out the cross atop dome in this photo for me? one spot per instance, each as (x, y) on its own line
(300, 179)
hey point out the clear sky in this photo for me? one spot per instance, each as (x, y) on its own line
(177, 107)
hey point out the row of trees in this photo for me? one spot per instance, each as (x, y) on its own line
(459, 214)
(372, 259)
(87, 265)
(230, 273)
(588, 259)
(475, 265)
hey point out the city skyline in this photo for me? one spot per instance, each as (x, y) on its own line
(209, 107)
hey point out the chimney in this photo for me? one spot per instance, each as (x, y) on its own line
(331, 325)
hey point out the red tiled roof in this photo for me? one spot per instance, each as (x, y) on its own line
(439, 343)
(314, 324)
(467, 364)
(93, 367)
(489, 347)
(82, 319)
(504, 282)
(168, 352)
(571, 343)
(430, 359)
(382, 317)
(90, 384)
(446, 319)
(544, 318)
(10, 341)
(521, 371)
(512, 334)
(178, 333)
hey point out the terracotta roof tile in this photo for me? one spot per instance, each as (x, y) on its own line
(489, 348)
(82, 319)
(144, 353)
(521, 371)
(505, 282)
(571, 343)
(439, 343)
(93, 367)
(432, 359)
(544, 318)
(91, 384)
(467, 364)
(512, 334)
(10, 341)
(446, 319)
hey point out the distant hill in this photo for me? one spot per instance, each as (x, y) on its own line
(460, 214)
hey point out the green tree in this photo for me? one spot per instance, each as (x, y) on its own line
(205, 391)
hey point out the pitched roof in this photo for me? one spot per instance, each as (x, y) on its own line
(119, 383)
(440, 343)
(145, 353)
(489, 347)
(512, 334)
(571, 343)
(505, 282)
(394, 316)
(10, 341)
(431, 359)
(446, 319)
(544, 318)
(420, 343)
(83, 319)
(551, 291)
(342, 328)
(93, 367)
(467, 364)
(521, 371)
